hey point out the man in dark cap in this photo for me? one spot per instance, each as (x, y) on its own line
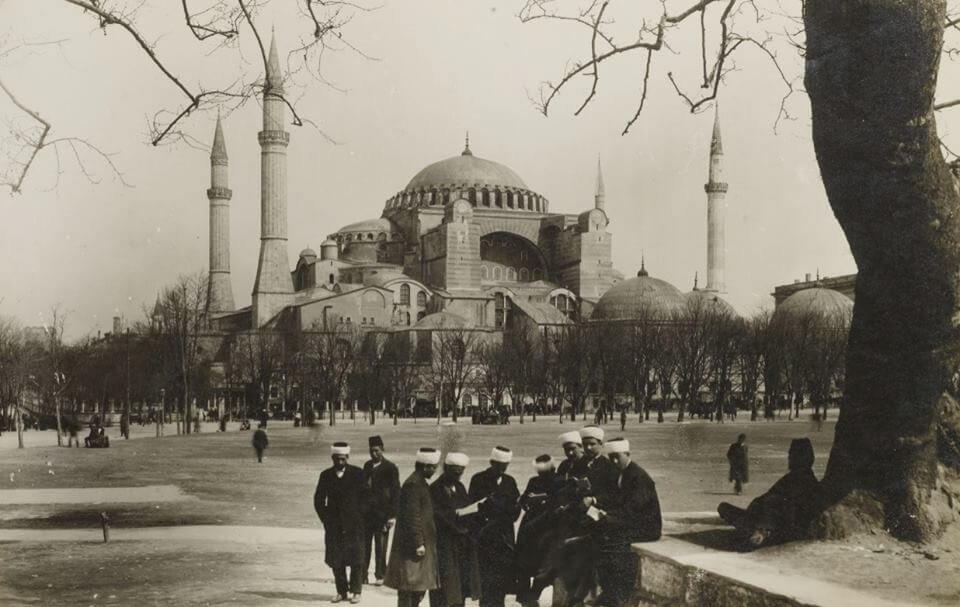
(339, 500)
(260, 442)
(783, 513)
(412, 568)
(495, 540)
(383, 482)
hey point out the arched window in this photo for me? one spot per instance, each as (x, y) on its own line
(497, 273)
(330, 279)
(421, 299)
(524, 275)
(501, 305)
(511, 275)
(537, 274)
(404, 295)
(484, 273)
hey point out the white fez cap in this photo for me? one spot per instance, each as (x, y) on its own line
(501, 454)
(595, 432)
(571, 437)
(340, 448)
(543, 463)
(428, 455)
(457, 459)
(618, 445)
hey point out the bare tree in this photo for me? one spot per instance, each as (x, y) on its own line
(750, 358)
(725, 342)
(219, 27)
(690, 329)
(183, 323)
(493, 371)
(403, 372)
(577, 366)
(259, 357)
(454, 362)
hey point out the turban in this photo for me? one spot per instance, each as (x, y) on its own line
(375, 441)
(595, 432)
(571, 437)
(340, 448)
(428, 455)
(543, 462)
(457, 459)
(501, 454)
(618, 445)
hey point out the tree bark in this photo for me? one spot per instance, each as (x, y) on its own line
(871, 73)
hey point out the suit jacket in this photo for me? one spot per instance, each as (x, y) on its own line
(633, 510)
(339, 503)
(383, 481)
(415, 527)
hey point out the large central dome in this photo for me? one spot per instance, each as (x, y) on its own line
(484, 183)
(466, 169)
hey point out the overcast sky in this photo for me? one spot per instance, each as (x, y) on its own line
(442, 68)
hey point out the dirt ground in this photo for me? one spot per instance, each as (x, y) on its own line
(217, 481)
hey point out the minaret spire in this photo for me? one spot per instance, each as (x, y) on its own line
(273, 289)
(219, 287)
(716, 191)
(599, 196)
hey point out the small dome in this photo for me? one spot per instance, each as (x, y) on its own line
(713, 300)
(639, 297)
(329, 242)
(308, 252)
(827, 303)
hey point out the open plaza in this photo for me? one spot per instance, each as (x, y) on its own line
(194, 520)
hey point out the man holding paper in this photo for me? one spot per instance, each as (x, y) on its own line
(498, 511)
(630, 513)
(459, 568)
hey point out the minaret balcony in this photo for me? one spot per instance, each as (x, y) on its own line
(717, 187)
(221, 193)
(273, 137)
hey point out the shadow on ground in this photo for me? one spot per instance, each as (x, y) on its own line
(288, 596)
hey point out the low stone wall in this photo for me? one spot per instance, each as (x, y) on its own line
(662, 582)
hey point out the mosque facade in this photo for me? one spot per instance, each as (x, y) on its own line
(466, 243)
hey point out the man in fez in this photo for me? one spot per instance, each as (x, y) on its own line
(785, 511)
(383, 481)
(534, 537)
(497, 513)
(339, 500)
(629, 513)
(412, 568)
(459, 568)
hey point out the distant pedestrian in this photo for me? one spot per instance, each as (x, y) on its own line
(739, 465)
(623, 419)
(412, 568)
(196, 423)
(383, 481)
(125, 426)
(260, 442)
(339, 500)
(264, 416)
(223, 423)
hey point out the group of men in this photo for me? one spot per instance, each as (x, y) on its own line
(457, 542)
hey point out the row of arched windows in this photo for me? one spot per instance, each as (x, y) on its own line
(509, 274)
(500, 199)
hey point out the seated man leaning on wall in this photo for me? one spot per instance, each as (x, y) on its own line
(785, 511)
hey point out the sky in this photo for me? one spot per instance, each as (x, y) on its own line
(438, 69)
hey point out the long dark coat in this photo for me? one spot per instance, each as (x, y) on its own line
(339, 503)
(459, 565)
(538, 525)
(788, 507)
(739, 468)
(384, 484)
(633, 511)
(416, 527)
(602, 474)
(495, 541)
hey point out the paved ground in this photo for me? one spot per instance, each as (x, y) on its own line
(206, 524)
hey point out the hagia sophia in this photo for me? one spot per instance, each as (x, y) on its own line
(466, 244)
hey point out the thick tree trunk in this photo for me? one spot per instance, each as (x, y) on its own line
(871, 73)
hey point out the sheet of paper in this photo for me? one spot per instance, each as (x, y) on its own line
(471, 509)
(594, 513)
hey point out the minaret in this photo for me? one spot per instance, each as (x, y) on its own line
(219, 288)
(599, 197)
(716, 192)
(273, 289)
